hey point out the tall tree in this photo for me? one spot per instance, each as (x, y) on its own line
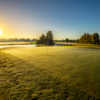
(49, 38)
(95, 38)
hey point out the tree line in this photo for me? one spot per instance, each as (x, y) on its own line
(87, 38)
(47, 39)
(90, 38)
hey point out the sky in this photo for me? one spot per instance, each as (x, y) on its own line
(66, 18)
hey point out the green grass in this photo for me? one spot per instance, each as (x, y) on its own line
(49, 73)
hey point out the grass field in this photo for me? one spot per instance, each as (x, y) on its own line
(79, 45)
(49, 73)
(17, 43)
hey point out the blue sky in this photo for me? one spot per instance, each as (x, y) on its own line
(66, 18)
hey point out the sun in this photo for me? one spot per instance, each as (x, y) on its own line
(1, 32)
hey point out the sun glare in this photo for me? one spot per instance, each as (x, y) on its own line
(1, 32)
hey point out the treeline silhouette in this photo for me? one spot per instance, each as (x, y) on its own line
(46, 39)
(17, 40)
(86, 38)
(90, 38)
(70, 40)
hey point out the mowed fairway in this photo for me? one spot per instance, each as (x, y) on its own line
(49, 73)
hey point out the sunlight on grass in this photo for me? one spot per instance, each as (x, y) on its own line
(49, 73)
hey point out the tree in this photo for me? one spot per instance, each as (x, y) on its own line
(42, 39)
(49, 38)
(46, 40)
(95, 38)
(67, 40)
